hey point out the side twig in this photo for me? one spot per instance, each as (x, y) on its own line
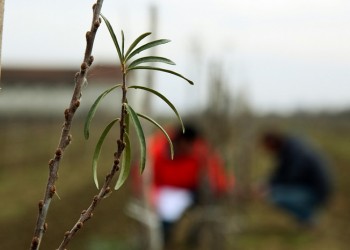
(65, 138)
(105, 190)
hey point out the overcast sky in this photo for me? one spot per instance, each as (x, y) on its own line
(284, 54)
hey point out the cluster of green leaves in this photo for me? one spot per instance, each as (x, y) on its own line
(128, 65)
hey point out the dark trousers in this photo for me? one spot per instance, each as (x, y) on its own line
(301, 202)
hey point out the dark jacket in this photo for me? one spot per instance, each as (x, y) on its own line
(299, 165)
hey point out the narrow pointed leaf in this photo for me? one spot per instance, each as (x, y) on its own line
(146, 46)
(140, 135)
(126, 163)
(98, 150)
(126, 160)
(93, 109)
(136, 42)
(114, 38)
(161, 69)
(163, 130)
(123, 43)
(149, 59)
(163, 98)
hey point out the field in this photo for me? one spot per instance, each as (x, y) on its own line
(27, 145)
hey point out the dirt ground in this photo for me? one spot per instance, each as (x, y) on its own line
(244, 223)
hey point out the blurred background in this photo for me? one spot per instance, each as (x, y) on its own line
(255, 64)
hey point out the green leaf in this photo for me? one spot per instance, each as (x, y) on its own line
(126, 160)
(160, 69)
(123, 42)
(114, 38)
(98, 149)
(136, 42)
(126, 163)
(146, 46)
(163, 130)
(93, 109)
(164, 99)
(140, 135)
(148, 59)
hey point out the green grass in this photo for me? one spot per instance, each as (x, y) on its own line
(27, 146)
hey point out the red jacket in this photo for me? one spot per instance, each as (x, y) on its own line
(186, 170)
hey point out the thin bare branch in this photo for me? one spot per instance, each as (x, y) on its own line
(65, 137)
(105, 190)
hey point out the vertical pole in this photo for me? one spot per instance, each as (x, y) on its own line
(150, 74)
(153, 233)
(2, 4)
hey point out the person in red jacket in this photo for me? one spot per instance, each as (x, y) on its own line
(177, 182)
